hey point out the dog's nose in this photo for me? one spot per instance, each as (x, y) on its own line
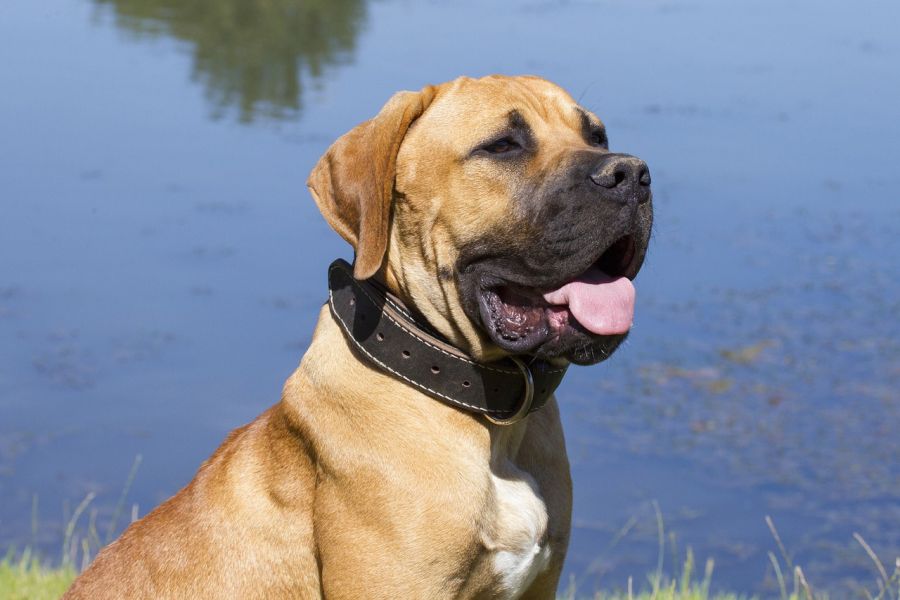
(625, 174)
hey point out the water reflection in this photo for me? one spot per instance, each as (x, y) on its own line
(251, 56)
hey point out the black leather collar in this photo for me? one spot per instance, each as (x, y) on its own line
(386, 334)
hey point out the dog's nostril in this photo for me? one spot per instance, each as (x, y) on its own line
(645, 176)
(606, 181)
(621, 172)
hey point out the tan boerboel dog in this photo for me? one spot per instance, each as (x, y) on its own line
(495, 211)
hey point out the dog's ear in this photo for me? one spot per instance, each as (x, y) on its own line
(354, 181)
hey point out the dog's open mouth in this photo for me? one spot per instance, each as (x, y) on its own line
(600, 300)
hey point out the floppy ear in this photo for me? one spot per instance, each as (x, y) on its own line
(354, 181)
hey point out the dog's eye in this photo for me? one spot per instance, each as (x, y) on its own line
(598, 138)
(501, 146)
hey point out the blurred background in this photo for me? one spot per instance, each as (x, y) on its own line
(162, 263)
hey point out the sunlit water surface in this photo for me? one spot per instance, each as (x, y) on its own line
(161, 262)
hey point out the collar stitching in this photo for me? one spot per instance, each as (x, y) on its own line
(415, 384)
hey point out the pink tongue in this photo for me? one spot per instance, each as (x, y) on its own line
(604, 305)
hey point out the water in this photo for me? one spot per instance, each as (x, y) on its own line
(161, 262)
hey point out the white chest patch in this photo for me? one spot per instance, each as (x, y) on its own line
(519, 541)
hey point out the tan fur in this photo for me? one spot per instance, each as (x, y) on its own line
(356, 485)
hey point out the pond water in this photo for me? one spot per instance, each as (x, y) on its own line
(161, 262)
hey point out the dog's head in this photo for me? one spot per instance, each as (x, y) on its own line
(495, 208)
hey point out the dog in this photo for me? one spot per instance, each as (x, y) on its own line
(417, 450)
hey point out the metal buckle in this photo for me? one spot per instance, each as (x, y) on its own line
(527, 397)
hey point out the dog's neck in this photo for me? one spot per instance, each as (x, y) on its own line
(383, 333)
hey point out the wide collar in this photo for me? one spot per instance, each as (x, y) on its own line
(385, 333)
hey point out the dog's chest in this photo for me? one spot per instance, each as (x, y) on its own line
(518, 538)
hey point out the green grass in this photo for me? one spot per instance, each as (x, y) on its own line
(25, 578)
(683, 587)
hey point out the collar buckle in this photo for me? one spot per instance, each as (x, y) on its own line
(527, 397)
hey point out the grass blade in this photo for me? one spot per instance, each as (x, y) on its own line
(120, 505)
